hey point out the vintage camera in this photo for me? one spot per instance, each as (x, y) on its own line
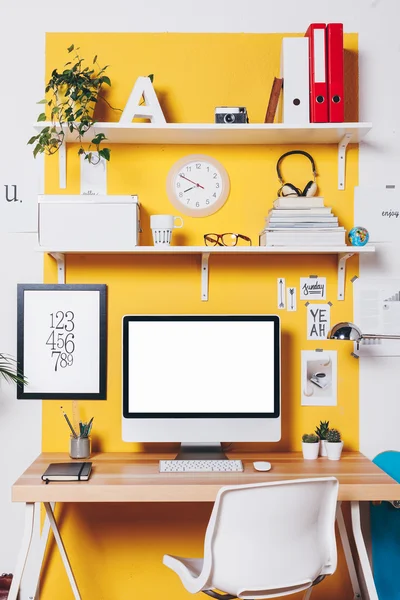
(231, 114)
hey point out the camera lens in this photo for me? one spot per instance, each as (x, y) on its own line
(229, 118)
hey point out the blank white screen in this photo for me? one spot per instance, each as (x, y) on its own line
(201, 366)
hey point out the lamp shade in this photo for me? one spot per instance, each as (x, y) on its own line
(345, 331)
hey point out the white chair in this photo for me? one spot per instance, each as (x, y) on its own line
(265, 540)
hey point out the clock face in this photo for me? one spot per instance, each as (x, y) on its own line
(198, 185)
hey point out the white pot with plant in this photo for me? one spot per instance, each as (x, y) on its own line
(321, 432)
(310, 446)
(334, 444)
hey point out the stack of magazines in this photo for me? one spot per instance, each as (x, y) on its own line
(302, 221)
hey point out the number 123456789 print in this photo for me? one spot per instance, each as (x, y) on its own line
(61, 339)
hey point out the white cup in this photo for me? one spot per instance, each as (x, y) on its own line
(162, 226)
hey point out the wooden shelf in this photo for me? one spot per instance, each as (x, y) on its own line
(219, 250)
(343, 254)
(212, 133)
(340, 134)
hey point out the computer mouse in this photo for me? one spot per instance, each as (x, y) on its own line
(262, 465)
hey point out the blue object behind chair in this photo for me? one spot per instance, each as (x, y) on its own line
(385, 532)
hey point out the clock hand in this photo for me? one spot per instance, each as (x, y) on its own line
(193, 186)
(196, 184)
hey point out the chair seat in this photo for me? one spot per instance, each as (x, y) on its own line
(189, 570)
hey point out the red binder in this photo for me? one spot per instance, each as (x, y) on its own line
(335, 72)
(318, 80)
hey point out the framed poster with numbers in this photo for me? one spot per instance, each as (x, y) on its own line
(62, 341)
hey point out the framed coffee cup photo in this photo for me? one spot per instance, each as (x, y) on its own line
(62, 341)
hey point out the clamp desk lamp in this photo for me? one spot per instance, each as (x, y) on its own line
(351, 333)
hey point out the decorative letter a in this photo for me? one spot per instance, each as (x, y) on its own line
(151, 109)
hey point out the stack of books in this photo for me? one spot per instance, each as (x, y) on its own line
(302, 221)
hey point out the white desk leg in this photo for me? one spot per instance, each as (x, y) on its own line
(30, 581)
(362, 551)
(24, 551)
(347, 552)
(63, 553)
(307, 594)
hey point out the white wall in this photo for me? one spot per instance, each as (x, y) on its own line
(22, 29)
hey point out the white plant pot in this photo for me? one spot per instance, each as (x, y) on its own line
(334, 450)
(322, 448)
(310, 450)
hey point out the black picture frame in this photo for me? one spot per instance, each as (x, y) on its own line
(43, 332)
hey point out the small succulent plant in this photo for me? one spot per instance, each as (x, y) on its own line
(322, 429)
(310, 438)
(333, 435)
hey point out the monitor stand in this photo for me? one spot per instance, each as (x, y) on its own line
(201, 451)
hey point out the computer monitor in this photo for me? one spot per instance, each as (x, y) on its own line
(201, 378)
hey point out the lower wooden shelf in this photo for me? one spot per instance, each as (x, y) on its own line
(343, 254)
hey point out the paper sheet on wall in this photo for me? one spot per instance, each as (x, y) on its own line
(312, 288)
(318, 378)
(378, 210)
(281, 292)
(377, 310)
(291, 293)
(318, 321)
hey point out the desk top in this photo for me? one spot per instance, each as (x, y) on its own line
(134, 477)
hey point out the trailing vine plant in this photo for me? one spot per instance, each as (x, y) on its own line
(74, 93)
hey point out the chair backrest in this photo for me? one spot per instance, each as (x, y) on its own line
(272, 536)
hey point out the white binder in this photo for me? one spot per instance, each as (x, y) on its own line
(296, 80)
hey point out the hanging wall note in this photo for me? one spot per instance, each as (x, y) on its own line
(291, 299)
(318, 378)
(281, 283)
(377, 310)
(312, 288)
(318, 321)
(378, 210)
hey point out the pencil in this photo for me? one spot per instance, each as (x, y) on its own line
(69, 423)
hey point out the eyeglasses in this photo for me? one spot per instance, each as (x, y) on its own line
(226, 239)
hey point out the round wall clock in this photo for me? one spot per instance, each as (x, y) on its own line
(198, 185)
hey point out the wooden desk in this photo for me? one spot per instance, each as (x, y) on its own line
(134, 477)
(131, 477)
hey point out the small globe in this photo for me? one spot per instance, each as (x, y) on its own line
(358, 236)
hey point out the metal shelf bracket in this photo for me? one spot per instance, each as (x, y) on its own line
(60, 260)
(342, 258)
(204, 276)
(342, 146)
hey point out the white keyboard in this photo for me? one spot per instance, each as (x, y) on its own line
(200, 466)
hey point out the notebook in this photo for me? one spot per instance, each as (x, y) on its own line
(71, 471)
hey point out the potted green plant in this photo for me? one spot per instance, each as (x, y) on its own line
(334, 444)
(321, 432)
(310, 446)
(9, 370)
(71, 97)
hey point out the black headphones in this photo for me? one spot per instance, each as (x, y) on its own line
(288, 189)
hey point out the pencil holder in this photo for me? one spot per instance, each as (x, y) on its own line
(79, 447)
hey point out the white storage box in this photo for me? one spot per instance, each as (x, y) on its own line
(89, 223)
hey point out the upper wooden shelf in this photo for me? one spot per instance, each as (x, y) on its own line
(217, 250)
(211, 133)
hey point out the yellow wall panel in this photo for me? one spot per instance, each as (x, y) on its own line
(193, 74)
